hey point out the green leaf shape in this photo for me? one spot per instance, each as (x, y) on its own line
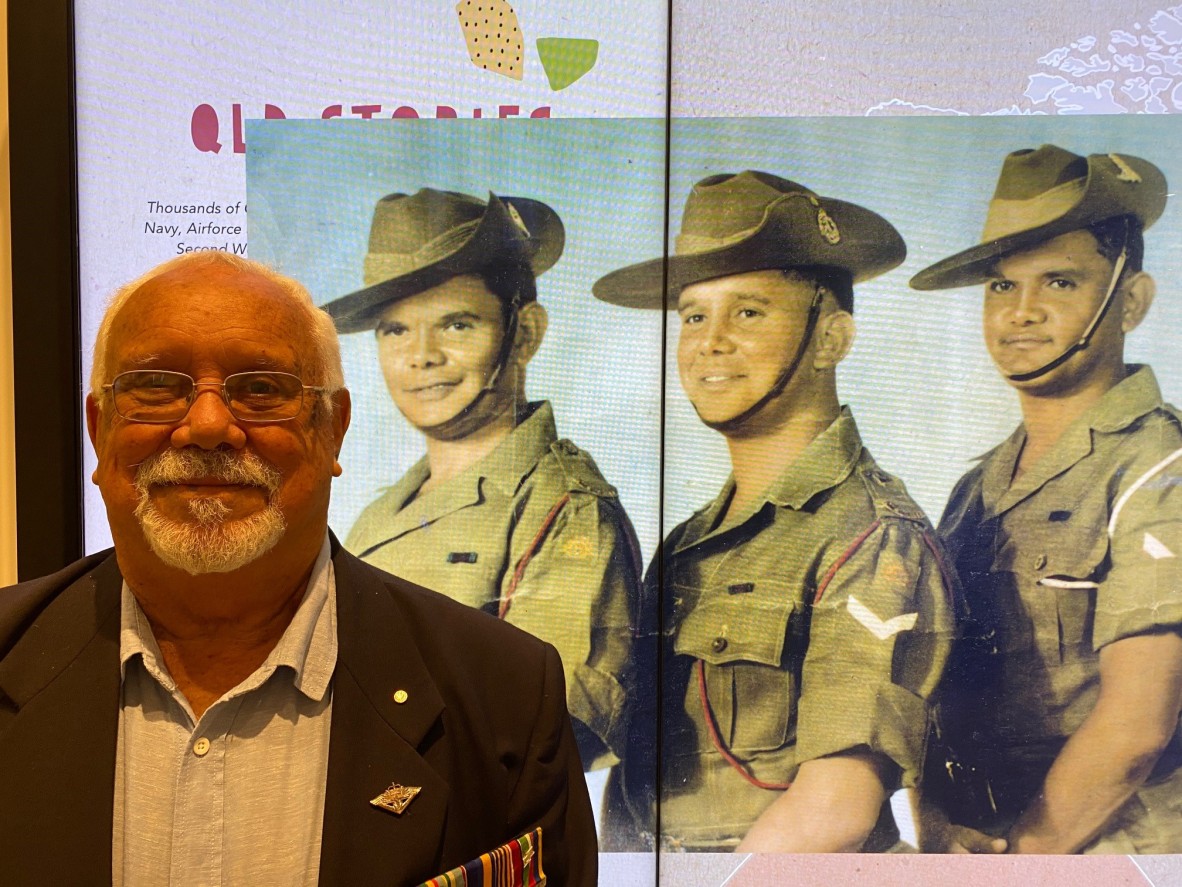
(566, 59)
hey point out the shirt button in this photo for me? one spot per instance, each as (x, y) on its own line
(1040, 562)
(719, 645)
(200, 747)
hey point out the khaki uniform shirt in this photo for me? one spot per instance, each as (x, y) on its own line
(538, 507)
(1083, 549)
(789, 680)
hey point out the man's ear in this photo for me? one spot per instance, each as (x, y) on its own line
(835, 337)
(94, 417)
(1139, 291)
(342, 414)
(532, 321)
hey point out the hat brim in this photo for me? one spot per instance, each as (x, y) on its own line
(1101, 199)
(869, 246)
(497, 237)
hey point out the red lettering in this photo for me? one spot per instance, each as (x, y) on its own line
(509, 111)
(239, 144)
(442, 111)
(331, 111)
(204, 129)
(406, 111)
(539, 113)
(366, 111)
(273, 112)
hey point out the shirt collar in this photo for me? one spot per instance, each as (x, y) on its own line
(308, 647)
(1126, 402)
(825, 462)
(515, 456)
(1122, 405)
(506, 466)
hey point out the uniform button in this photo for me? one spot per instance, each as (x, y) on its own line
(719, 645)
(200, 747)
(400, 696)
(1040, 562)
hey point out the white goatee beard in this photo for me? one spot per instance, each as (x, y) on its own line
(210, 543)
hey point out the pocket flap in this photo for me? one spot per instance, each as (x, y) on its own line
(745, 627)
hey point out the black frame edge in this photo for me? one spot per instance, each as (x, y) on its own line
(45, 289)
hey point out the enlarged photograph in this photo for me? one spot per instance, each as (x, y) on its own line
(505, 448)
(835, 456)
(967, 641)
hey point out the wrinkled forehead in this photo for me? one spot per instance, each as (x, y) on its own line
(231, 311)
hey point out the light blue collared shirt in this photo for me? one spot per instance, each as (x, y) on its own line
(236, 796)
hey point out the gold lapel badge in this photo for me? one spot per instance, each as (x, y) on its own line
(396, 798)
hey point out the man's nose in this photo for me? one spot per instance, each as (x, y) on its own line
(716, 337)
(424, 349)
(1028, 307)
(209, 424)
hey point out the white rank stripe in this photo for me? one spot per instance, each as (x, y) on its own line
(877, 627)
(1137, 484)
(1155, 548)
(1055, 582)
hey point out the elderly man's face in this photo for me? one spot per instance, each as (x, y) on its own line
(229, 490)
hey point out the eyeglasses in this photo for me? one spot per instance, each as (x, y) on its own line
(162, 396)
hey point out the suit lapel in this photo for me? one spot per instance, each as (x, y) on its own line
(375, 742)
(57, 751)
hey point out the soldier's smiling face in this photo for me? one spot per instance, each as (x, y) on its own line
(738, 334)
(439, 348)
(1040, 302)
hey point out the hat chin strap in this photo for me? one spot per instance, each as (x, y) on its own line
(736, 422)
(463, 422)
(1118, 268)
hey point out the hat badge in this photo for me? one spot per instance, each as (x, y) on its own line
(1127, 173)
(516, 217)
(825, 223)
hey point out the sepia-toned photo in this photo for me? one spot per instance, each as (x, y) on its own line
(508, 427)
(835, 456)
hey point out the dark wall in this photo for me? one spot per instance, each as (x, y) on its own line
(44, 285)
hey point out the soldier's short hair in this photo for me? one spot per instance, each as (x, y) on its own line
(837, 281)
(510, 280)
(1120, 231)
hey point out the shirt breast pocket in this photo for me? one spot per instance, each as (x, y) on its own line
(1075, 564)
(741, 636)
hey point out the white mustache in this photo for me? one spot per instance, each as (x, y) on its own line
(182, 466)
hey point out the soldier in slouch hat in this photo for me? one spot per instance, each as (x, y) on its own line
(1059, 713)
(806, 619)
(500, 513)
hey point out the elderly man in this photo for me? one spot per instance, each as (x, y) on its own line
(1060, 712)
(499, 514)
(229, 697)
(806, 617)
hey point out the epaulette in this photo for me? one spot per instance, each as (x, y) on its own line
(889, 496)
(579, 470)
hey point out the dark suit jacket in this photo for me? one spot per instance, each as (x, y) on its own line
(484, 732)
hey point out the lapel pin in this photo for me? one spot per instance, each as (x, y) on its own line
(400, 696)
(396, 798)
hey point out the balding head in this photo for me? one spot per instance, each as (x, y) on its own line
(323, 359)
